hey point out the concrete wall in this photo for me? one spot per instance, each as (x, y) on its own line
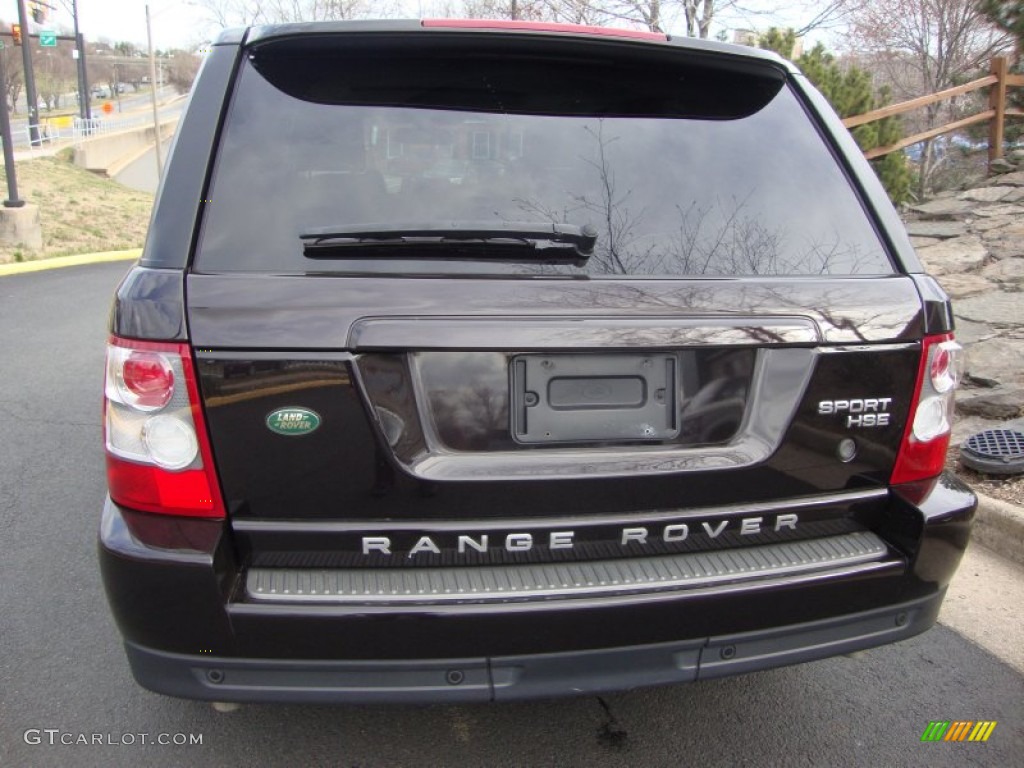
(100, 154)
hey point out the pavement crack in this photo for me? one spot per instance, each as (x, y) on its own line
(610, 735)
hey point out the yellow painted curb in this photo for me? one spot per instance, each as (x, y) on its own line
(57, 262)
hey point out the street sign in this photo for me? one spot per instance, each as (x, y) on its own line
(1, 45)
(47, 38)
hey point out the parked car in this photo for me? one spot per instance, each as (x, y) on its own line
(541, 360)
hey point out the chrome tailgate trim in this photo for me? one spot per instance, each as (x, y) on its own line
(397, 586)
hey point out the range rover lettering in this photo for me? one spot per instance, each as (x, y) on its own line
(471, 360)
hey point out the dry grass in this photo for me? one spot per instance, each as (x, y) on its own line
(80, 212)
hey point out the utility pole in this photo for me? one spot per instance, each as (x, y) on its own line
(84, 108)
(12, 200)
(152, 85)
(30, 80)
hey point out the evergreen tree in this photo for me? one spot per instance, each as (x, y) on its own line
(1007, 15)
(850, 91)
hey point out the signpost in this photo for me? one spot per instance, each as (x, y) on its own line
(47, 38)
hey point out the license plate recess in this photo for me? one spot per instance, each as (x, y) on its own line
(566, 398)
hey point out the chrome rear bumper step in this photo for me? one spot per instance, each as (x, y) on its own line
(417, 586)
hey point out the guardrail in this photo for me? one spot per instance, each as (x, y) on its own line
(74, 129)
(999, 80)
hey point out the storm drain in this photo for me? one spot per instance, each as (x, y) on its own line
(995, 451)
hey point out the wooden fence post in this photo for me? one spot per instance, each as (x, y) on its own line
(997, 102)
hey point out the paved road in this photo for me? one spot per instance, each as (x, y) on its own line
(63, 669)
(141, 174)
(131, 103)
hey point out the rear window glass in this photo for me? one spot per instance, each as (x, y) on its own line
(684, 166)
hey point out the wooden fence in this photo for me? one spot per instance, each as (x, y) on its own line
(998, 81)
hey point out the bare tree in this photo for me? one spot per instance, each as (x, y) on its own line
(182, 70)
(55, 75)
(228, 13)
(13, 80)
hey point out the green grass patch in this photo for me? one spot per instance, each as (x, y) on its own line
(80, 212)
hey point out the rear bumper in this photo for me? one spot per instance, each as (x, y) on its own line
(510, 678)
(178, 595)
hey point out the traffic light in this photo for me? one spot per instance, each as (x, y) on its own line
(38, 13)
(16, 33)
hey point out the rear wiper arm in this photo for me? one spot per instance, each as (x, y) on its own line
(537, 240)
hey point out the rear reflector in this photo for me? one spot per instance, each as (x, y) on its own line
(544, 26)
(158, 452)
(926, 436)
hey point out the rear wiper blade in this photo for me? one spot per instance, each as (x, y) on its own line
(512, 239)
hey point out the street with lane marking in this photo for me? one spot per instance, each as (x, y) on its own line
(64, 678)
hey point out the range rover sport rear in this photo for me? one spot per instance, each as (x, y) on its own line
(475, 361)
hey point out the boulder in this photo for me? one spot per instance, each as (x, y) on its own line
(1005, 270)
(1006, 247)
(1001, 165)
(960, 286)
(993, 222)
(1013, 226)
(959, 254)
(971, 332)
(941, 229)
(1001, 403)
(999, 359)
(943, 208)
(1015, 179)
(986, 194)
(1006, 209)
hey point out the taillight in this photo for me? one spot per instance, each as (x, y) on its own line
(158, 453)
(926, 437)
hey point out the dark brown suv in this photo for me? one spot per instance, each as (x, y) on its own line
(470, 360)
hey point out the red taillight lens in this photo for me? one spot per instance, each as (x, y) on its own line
(158, 452)
(926, 437)
(148, 378)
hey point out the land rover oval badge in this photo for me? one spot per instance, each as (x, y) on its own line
(293, 421)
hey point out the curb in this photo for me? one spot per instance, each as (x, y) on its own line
(999, 526)
(39, 265)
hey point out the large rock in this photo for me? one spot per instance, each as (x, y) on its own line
(998, 308)
(943, 208)
(1006, 247)
(1005, 270)
(959, 254)
(993, 222)
(971, 332)
(1015, 179)
(1002, 165)
(941, 229)
(1015, 196)
(962, 286)
(1000, 403)
(1007, 209)
(1000, 360)
(986, 194)
(1012, 226)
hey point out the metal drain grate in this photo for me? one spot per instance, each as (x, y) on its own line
(996, 451)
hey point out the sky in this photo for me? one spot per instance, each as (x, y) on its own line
(175, 23)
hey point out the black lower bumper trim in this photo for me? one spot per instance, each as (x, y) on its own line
(523, 677)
